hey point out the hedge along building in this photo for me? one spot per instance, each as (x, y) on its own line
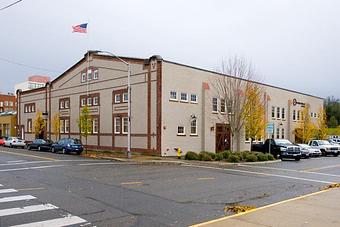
(172, 105)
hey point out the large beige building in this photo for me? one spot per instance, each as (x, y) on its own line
(172, 105)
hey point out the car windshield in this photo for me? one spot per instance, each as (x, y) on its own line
(282, 142)
(304, 145)
(323, 142)
(75, 141)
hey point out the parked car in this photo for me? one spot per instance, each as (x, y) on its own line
(279, 148)
(67, 145)
(15, 142)
(2, 140)
(325, 147)
(313, 152)
(40, 145)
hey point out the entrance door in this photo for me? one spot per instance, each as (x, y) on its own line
(222, 137)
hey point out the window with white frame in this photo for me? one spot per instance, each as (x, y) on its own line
(89, 75)
(193, 98)
(83, 77)
(89, 101)
(214, 104)
(6, 103)
(180, 130)
(298, 115)
(125, 97)
(184, 97)
(311, 114)
(117, 125)
(294, 115)
(95, 101)
(67, 126)
(29, 108)
(283, 113)
(67, 104)
(95, 125)
(29, 125)
(95, 74)
(33, 108)
(315, 115)
(125, 125)
(10, 103)
(62, 104)
(193, 127)
(278, 112)
(83, 102)
(173, 95)
(282, 133)
(62, 126)
(277, 133)
(222, 106)
(26, 109)
(273, 111)
(117, 98)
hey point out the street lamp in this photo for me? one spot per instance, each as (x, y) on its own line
(129, 96)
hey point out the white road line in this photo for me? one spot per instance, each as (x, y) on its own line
(263, 174)
(100, 163)
(16, 198)
(290, 170)
(7, 190)
(27, 209)
(16, 161)
(24, 163)
(28, 168)
(59, 222)
(1, 185)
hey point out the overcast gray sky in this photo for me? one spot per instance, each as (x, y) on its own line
(293, 44)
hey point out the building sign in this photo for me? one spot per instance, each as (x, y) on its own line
(270, 128)
(295, 102)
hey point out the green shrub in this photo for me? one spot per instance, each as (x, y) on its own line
(204, 156)
(226, 154)
(233, 158)
(211, 154)
(270, 157)
(219, 157)
(190, 155)
(261, 157)
(250, 157)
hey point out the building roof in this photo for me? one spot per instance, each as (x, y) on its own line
(7, 113)
(39, 79)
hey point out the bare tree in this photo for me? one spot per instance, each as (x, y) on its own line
(230, 90)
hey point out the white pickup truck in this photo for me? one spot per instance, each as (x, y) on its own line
(325, 147)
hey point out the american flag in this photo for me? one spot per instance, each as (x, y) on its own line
(81, 28)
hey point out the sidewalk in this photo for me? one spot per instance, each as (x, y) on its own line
(316, 209)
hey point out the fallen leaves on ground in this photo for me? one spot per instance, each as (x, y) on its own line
(238, 208)
(336, 185)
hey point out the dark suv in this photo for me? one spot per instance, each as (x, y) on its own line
(67, 145)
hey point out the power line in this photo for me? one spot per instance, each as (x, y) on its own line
(29, 66)
(10, 5)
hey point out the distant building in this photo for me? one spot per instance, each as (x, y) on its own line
(8, 123)
(33, 82)
(7, 102)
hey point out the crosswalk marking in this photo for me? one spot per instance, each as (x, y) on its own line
(58, 222)
(1, 185)
(7, 190)
(27, 209)
(16, 198)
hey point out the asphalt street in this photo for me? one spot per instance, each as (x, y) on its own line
(46, 189)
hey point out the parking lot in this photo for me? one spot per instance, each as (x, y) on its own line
(108, 193)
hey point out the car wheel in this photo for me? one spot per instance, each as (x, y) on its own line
(39, 148)
(78, 152)
(53, 150)
(336, 154)
(10, 145)
(64, 151)
(28, 147)
(297, 159)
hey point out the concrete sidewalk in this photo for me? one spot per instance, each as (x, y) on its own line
(316, 209)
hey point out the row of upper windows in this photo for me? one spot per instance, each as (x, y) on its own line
(92, 74)
(215, 105)
(193, 128)
(278, 113)
(65, 126)
(118, 97)
(90, 100)
(29, 108)
(7, 103)
(183, 97)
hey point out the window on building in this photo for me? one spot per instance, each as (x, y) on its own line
(193, 98)
(62, 126)
(184, 97)
(273, 111)
(1, 104)
(67, 104)
(89, 75)
(315, 115)
(173, 95)
(67, 126)
(180, 130)
(89, 101)
(125, 97)
(125, 125)
(33, 107)
(193, 128)
(222, 106)
(83, 101)
(246, 136)
(298, 115)
(29, 125)
(10, 103)
(26, 109)
(29, 108)
(282, 133)
(214, 104)
(277, 133)
(83, 77)
(95, 101)
(95, 74)
(278, 112)
(62, 104)
(311, 114)
(95, 125)
(294, 115)
(117, 125)
(283, 113)
(117, 98)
